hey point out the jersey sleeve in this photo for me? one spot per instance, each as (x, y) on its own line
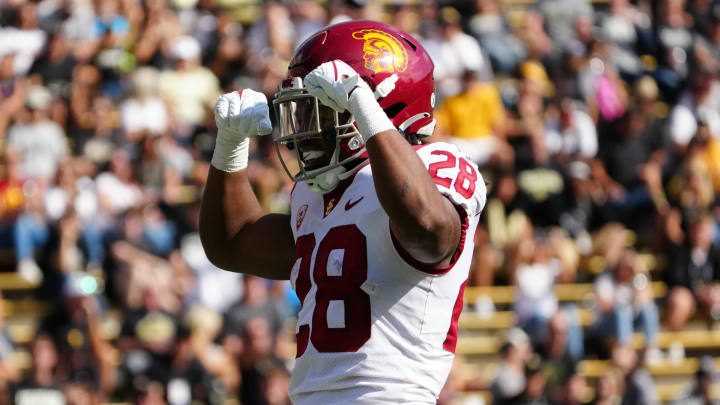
(455, 175)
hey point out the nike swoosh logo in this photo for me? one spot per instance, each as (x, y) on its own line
(349, 204)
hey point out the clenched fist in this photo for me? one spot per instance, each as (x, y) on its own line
(338, 86)
(239, 116)
(242, 114)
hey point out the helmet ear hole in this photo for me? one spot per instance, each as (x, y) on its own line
(395, 109)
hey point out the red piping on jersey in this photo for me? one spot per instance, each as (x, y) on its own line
(451, 337)
(429, 268)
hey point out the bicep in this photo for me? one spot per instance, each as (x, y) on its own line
(237, 235)
(461, 187)
(265, 248)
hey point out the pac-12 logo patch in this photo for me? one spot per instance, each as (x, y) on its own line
(300, 216)
(382, 52)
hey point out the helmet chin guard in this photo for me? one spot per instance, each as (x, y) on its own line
(302, 117)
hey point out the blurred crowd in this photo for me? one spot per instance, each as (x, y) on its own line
(596, 125)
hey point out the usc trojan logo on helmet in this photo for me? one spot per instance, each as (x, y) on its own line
(382, 52)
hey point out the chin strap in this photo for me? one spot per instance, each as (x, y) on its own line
(326, 182)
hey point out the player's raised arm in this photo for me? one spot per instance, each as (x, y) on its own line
(424, 221)
(235, 233)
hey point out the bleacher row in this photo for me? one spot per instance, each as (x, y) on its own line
(247, 11)
(481, 338)
(480, 333)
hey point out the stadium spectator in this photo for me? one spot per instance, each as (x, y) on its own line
(190, 89)
(465, 58)
(85, 355)
(42, 383)
(25, 39)
(509, 383)
(217, 290)
(605, 122)
(257, 359)
(256, 301)
(559, 359)
(624, 299)
(574, 134)
(627, 28)
(693, 272)
(276, 385)
(701, 390)
(144, 111)
(40, 142)
(536, 387)
(609, 388)
(560, 17)
(492, 30)
(698, 104)
(639, 386)
(475, 120)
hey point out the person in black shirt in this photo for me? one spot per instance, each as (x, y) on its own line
(42, 384)
(693, 273)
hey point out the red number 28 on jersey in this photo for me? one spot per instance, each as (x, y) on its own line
(343, 287)
(466, 179)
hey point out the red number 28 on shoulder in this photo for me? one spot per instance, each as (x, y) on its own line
(466, 179)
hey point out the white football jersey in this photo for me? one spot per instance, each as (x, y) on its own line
(376, 326)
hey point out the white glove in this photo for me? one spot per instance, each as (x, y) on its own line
(338, 86)
(239, 116)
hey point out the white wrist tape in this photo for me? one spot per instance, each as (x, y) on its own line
(369, 116)
(230, 155)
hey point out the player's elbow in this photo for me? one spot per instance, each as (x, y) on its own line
(446, 234)
(430, 238)
(215, 249)
(211, 252)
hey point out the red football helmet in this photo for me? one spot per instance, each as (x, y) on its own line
(326, 143)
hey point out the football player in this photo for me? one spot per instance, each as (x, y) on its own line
(379, 239)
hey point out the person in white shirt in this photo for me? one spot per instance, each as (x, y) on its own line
(41, 142)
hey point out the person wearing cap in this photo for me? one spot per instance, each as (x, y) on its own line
(191, 89)
(41, 142)
(39, 145)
